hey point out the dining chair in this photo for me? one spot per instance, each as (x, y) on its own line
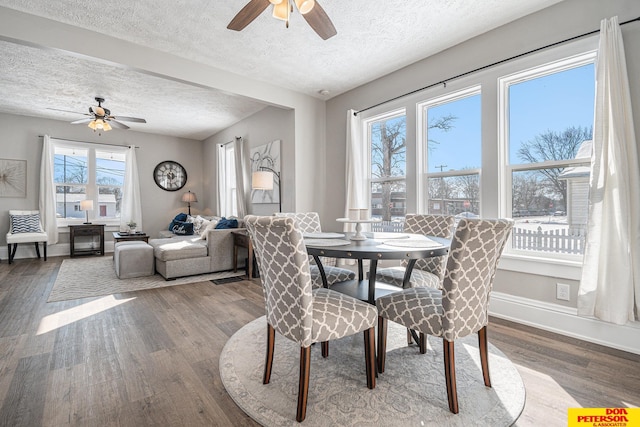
(25, 227)
(309, 223)
(460, 308)
(298, 312)
(426, 272)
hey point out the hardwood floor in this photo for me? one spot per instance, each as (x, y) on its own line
(151, 357)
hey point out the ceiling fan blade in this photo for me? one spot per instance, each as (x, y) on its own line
(247, 14)
(81, 121)
(318, 19)
(67, 111)
(127, 119)
(117, 124)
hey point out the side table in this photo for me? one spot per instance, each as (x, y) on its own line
(241, 239)
(83, 230)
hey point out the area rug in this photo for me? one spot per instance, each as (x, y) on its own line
(411, 391)
(93, 277)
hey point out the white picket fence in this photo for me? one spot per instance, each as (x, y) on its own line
(558, 240)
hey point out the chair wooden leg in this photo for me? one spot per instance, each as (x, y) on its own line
(9, 252)
(409, 337)
(44, 244)
(370, 357)
(423, 343)
(268, 362)
(484, 355)
(382, 343)
(303, 384)
(37, 249)
(325, 348)
(450, 375)
(12, 252)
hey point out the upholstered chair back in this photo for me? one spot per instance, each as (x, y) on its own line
(431, 225)
(308, 222)
(284, 271)
(471, 266)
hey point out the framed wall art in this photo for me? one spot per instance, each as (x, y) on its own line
(13, 178)
(266, 158)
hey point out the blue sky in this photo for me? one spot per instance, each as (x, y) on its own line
(553, 102)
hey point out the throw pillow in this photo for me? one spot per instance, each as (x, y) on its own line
(182, 228)
(211, 226)
(181, 217)
(203, 227)
(227, 223)
(26, 223)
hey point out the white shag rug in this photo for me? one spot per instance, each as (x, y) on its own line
(411, 391)
(96, 276)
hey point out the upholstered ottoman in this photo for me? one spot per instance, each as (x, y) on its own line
(133, 259)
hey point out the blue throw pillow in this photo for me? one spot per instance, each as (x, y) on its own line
(182, 217)
(182, 228)
(227, 223)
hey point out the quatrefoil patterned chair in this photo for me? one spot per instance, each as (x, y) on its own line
(298, 312)
(309, 222)
(25, 227)
(426, 272)
(460, 308)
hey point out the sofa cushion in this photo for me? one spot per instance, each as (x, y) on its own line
(174, 249)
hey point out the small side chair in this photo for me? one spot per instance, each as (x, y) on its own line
(25, 227)
(298, 312)
(460, 308)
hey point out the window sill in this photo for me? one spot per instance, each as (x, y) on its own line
(560, 268)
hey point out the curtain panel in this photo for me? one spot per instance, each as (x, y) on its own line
(47, 196)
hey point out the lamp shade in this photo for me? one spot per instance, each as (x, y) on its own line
(305, 6)
(189, 197)
(86, 205)
(262, 180)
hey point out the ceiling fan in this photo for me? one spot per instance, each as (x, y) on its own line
(311, 11)
(100, 118)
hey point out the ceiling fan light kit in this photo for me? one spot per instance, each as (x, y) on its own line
(311, 11)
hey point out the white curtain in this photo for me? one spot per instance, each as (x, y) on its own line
(357, 195)
(47, 197)
(242, 176)
(610, 282)
(131, 207)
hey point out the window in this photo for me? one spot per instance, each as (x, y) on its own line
(88, 171)
(227, 181)
(451, 142)
(548, 114)
(387, 146)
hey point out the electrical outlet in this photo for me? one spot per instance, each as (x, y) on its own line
(562, 291)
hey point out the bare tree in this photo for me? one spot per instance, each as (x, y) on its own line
(388, 154)
(554, 146)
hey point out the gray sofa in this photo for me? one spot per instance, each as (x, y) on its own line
(188, 255)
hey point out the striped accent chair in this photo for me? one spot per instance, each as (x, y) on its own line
(427, 272)
(460, 308)
(297, 311)
(25, 227)
(309, 222)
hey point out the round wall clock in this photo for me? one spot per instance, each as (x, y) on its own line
(170, 175)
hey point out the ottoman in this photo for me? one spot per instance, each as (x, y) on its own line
(133, 259)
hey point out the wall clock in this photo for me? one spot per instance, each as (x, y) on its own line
(170, 175)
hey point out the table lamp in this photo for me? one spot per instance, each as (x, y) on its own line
(86, 205)
(189, 198)
(263, 178)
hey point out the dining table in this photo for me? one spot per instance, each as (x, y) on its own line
(378, 246)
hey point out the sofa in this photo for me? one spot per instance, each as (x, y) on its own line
(208, 251)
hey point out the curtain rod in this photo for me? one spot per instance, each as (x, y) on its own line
(89, 142)
(444, 82)
(229, 142)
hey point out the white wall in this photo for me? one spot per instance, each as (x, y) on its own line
(535, 286)
(268, 125)
(19, 139)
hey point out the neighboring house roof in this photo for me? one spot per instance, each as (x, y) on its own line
(584, 152)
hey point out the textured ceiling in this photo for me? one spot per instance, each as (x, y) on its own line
(374, 38)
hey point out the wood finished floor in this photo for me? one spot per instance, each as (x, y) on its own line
(150, 358)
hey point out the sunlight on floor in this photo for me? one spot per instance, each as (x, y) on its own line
(63, 318)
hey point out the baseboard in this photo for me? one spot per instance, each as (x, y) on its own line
(565, 321)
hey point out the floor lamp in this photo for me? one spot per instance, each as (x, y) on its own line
(263, 178)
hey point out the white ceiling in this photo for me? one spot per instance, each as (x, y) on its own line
(374, 38)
